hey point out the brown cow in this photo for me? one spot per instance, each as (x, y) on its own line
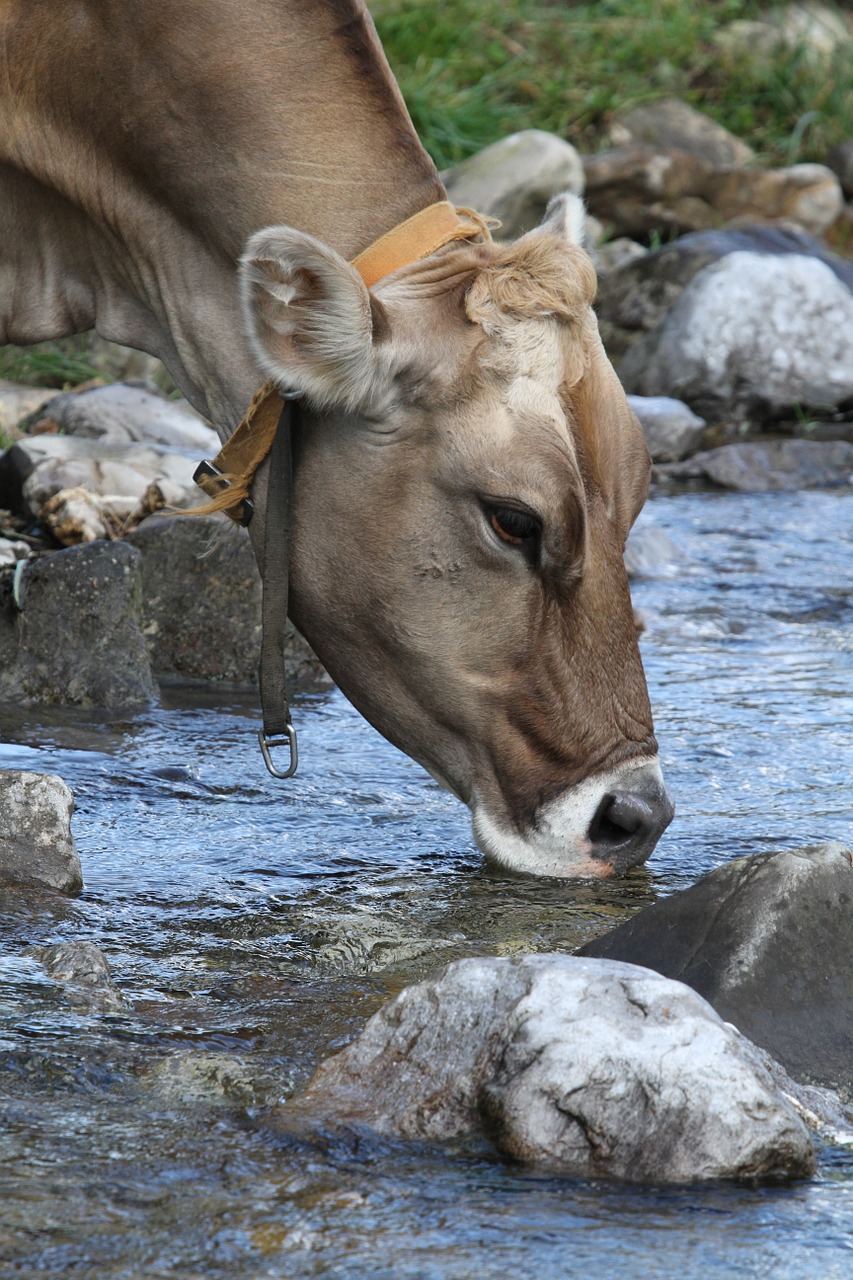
(467, 468)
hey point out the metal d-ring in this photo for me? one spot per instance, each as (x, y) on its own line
(279, 740)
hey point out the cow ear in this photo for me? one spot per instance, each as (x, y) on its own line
(564, 217)
(311, 321)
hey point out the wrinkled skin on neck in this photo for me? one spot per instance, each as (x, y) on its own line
(509, 670)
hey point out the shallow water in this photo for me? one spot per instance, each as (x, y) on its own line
(252, 926)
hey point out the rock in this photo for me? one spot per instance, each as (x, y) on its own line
(202, 601)
(751, 335)
(11, 551)
(16, 401)
(125, 414)
(575, 1066)
(514, 179)
(37, 467)
(616, 253)
(649, 552)
(75, 515)
(671, 124)
(672, 430)
(765, 939)
(70, 629)
(640, 191)
(813, 28)
(840, 161)
(636, 298)
(764, 466)
(36, 844)
(84, 970)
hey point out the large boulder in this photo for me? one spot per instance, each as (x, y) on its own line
(71, 629)
(765, 466)
(635, 299)
(514, 179)
(201, 607)
(36, 843)
(582, 1067)
(640, 191)
(767, 941)
(669, 124)
(751, 336)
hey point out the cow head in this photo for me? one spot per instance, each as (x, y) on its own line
(467, 471)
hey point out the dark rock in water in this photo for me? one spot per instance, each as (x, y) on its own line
(202, 601)
(70, 629)
(761, 466)
(767, 940)
(36, 844)
(583, 1067)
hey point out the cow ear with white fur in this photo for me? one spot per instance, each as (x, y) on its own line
(311, 322)
(565, 217)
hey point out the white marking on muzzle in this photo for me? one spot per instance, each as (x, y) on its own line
(558, 843)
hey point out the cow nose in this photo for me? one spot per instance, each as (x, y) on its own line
(626, 826)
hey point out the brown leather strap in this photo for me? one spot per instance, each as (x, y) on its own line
(228, 479)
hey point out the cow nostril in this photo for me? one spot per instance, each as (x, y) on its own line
(622, 816)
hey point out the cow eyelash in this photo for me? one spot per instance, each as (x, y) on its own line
(516, 527)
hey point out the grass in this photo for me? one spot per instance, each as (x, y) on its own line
(474, 70)
(48, 364)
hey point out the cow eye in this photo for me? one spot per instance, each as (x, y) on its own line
(511, 525)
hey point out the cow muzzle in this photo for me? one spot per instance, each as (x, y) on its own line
(600, 828)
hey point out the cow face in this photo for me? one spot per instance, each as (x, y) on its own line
(467, 471)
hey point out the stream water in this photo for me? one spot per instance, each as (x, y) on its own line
(252, 927)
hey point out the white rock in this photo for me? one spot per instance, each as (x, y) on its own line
(126, 414)
(587, 1068)
(751, 332)
(36, 844)
(514, 179)
(11, 551)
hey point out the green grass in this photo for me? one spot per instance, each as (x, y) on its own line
(48, 364)
(474, 70)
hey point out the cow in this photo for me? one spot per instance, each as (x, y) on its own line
(193, 178)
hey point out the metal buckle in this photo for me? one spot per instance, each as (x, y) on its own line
(207, 471)
(289, 738)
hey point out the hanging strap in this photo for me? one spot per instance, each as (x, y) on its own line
(267, 429)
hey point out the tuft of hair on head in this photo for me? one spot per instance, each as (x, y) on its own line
(544, 274)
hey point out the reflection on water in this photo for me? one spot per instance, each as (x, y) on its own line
(252, 926)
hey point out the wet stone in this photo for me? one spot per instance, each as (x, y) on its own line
(588, 1068)
(761, 466)
(70, 629)
(766, 940)
(84, 970)
(36, 843)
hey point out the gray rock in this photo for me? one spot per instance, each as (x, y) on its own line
(670, 123)
(758, 466)
(672, 430)
(766, 939)
(41, 466)
(582, 1067)
(613, 254)
(751, 336)
(70, 629)
(202, 601)
(636, 298)
(840, 161)
(84, 970)
(125, 414)
(36, 844)
(650, 552)
(514, 179)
